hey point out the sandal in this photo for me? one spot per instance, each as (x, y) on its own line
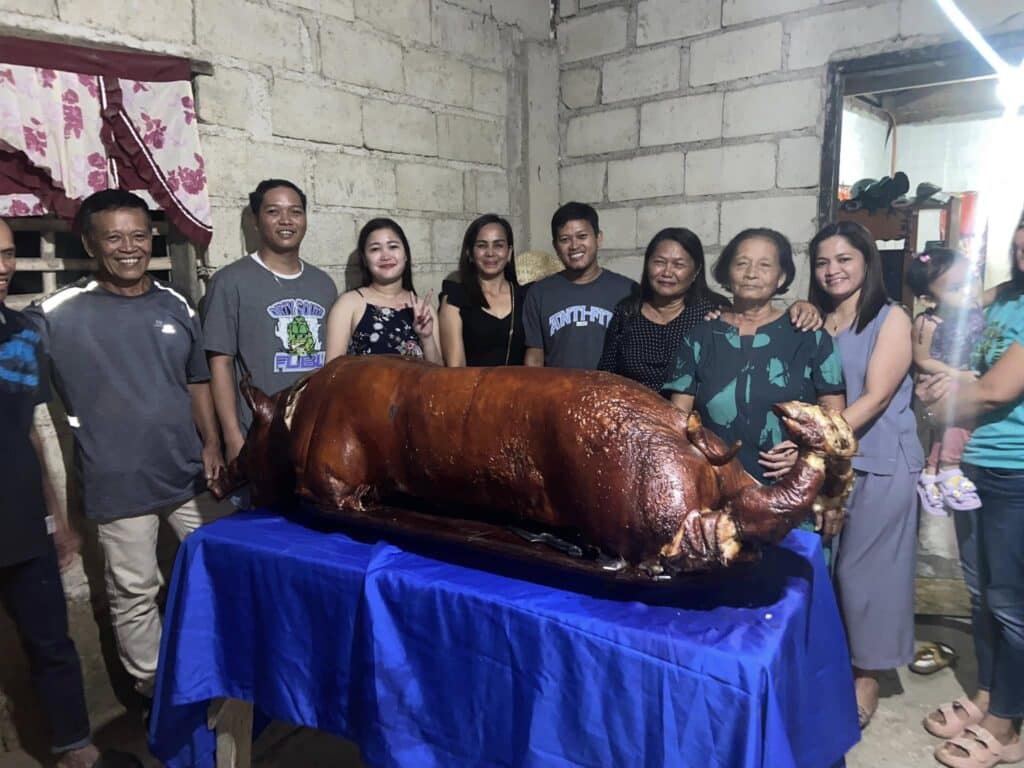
(932, 500)
(983, 750)
(959, 493)
(931, 657)
(956, 715)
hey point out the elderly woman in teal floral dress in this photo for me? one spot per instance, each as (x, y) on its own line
(734, 368)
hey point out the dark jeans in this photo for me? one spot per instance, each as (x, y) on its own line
(992, 556)
(33, 596)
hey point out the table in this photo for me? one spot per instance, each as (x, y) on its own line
(425, 663)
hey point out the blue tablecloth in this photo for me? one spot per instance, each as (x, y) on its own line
(425, 663)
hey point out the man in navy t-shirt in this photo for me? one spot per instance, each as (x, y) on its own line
(567, 314)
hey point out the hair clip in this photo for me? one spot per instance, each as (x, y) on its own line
(924, 258)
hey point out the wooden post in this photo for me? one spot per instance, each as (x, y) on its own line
(232, 720)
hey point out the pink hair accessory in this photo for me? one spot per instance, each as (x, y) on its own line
(924, 258)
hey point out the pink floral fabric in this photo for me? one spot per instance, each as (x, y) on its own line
(88, 133)
(54, 119)
(164, 116)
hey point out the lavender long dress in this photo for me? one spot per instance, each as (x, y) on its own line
(875, 559)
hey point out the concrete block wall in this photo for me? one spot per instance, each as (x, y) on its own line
(709, 113)
(409, 108)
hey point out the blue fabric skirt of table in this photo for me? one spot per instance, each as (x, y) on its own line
(425, 663)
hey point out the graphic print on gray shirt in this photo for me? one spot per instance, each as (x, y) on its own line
(569, 321)
(122, 366)
(273, 325)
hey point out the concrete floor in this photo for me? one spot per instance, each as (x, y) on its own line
(893, 739)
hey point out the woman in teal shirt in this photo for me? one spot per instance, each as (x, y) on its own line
(987, 727)
(733, 369)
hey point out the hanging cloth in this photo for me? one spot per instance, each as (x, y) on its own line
(74, 121)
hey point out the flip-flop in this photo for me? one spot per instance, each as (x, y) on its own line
(864, 716)
(953, 724)
(983, 750)
(931, 657)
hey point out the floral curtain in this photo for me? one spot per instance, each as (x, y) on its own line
(74, 121)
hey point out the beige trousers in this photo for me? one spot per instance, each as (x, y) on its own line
(133, 578)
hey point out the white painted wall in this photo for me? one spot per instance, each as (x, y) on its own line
(948, 154)
(863, 149)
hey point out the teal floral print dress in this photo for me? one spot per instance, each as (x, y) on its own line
(736, 379)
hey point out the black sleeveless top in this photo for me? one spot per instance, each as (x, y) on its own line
(484, 336)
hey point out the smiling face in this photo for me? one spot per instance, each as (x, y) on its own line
(839, 268)
(282, 220)
(670, 270)
(755, 273)
(385, 256)
(491, 251)
(6, 259)
(576, 245)
(122, 242)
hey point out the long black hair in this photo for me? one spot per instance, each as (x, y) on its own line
(467, 267)
(364, 234)
(698, 292)
(872, 291)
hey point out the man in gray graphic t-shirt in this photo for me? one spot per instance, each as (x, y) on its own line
(566, 315)
(265, 313)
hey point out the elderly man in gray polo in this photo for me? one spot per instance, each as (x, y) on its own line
(128, 363)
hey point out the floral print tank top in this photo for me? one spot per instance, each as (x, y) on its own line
(385, 331)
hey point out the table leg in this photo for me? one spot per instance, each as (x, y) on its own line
(232, 720)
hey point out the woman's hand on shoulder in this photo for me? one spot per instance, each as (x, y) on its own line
(805, 316)
(719, 304)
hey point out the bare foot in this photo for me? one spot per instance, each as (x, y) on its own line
(1001, 728)
(865, 686)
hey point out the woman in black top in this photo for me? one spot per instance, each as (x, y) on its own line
(646, 330)
(481, 315)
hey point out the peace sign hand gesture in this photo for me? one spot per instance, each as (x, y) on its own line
(423, 318)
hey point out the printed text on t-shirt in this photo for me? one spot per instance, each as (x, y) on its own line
(580, 315)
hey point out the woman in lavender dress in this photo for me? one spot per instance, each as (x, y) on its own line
(875, 557)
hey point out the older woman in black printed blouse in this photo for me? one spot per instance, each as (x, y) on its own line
(646, 331)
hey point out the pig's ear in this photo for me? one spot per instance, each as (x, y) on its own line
(262, 407)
